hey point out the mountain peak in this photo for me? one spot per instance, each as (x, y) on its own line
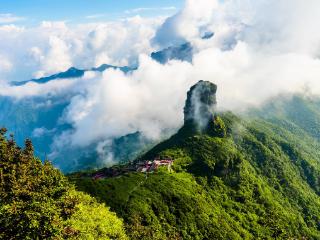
(200, 104)
(182, 52)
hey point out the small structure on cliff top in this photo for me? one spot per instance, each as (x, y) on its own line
(199, 114)
(147, 166)
(151, 166)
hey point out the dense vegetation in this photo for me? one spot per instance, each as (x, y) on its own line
(254, 177)
(242, 177)
(37, 202)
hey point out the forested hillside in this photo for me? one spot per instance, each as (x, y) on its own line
(242, 177)
(107, 131)
(37, 202)
(250, 176)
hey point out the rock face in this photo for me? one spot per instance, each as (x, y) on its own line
(183, 52)
(200, 104)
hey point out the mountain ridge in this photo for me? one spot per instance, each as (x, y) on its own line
(260, 179)
(73, 73)
(182, 52)
(25, 117)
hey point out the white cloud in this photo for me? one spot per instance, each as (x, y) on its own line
(248, 65)
(148, 100)
(33, 89)
(5, 65)
(148, 9)
(58, 87)
(55, 46)
(42, 131)
(260, 49)
(56, 59)
(186, 24)
(6, 18)
(95, 16)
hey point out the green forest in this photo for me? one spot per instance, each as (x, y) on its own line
(249, 176)
(38, 202)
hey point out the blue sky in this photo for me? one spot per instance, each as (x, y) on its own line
(33, 11)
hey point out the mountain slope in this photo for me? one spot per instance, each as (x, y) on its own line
(37, 202)
(74, 73)
(245, 177)
(183, 52)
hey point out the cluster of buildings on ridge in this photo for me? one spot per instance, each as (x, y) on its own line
(147, 166)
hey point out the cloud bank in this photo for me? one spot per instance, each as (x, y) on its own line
(6, 18)
(259, 49)
(54, 47)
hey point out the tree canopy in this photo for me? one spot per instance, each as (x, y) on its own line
(37, 201)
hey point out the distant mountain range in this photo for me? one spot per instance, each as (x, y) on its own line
(38, 117)
(73, 73)
(183, 52)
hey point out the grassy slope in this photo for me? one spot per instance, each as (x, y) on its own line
(261, 181)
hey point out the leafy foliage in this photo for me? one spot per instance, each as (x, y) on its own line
(37, 202)
(245, 178)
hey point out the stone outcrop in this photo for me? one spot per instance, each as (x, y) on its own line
(200, 104)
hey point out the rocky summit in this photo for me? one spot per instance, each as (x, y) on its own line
(200, 104)
(238, 178)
